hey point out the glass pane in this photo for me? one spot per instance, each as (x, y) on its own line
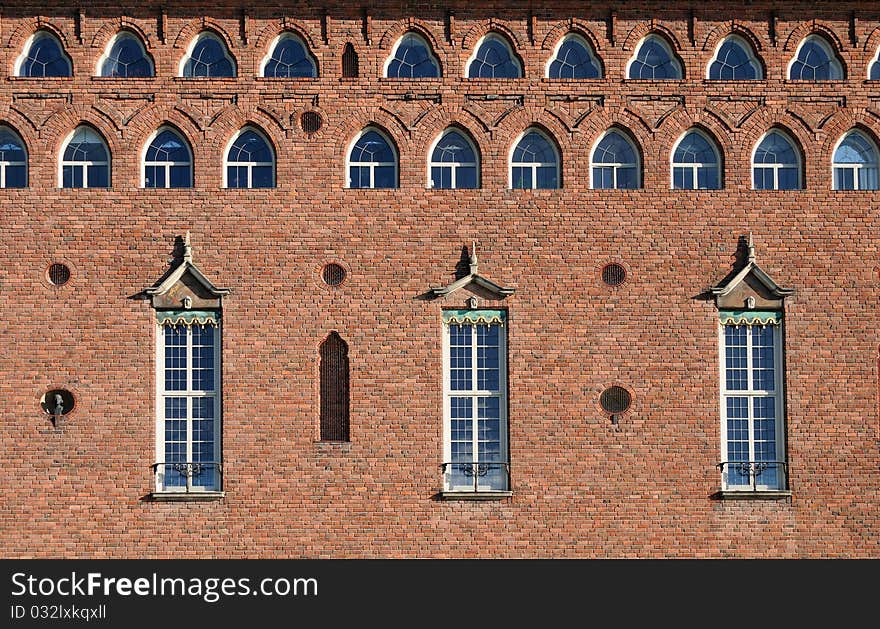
(261, 177)
(168, 147)
(11, 147)
(534, 148)
(154, 177)
(461, 443)
(413, 59)
(547, 178)
(250, 147)
(127, 59)
(372, 147)
(603, 178)
(454, 147)
(99, 176)
(574, 60)
(775, 148)
(694, 148)
(46, 58)
(175, 442)
(181, 177)
(788, 179)
(614, 148)
(737, 441)
(627, 178)
(490, 475)
(236, 177)
(875, 71)
(814, 63)
(71, 176)
(86, 146)
(460, 357)
(466, 177)
(16, 177)
(359, 176)
(733, 62)
(203, 443)
(843, 179)
(488, 366)
(441, 177)
(202, 358)
(682, 178)
(736, 357)
(867, 178)
(494, 60)
(654, 61)
(707, 178)
(290, 59)
(764, 179)
(763, 366)
(209, 59)
(522, 178)
(385, 177)
(175, 358)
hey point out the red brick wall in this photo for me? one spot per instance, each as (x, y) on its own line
(581, 486)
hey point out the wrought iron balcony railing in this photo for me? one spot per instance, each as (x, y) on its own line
(753, 475)
(188, 477)
(476, 477)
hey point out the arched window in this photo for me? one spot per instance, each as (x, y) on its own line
(654, 59)
(574, 59)
(44, 56)
(615, 162)
(349, 61)
(125, 57)
(734, 60)
(815, 61)
(776, 164)
(696, 163)
(168, 161)
(372, 161)
(250, 161)
(411, 58)
(534, 162)
(855, 163)
(493, 59)
(289, 58)
(85, 161)
(207, 57)
(454, 162)
(334, 389)
(13, 160)
(874, 68)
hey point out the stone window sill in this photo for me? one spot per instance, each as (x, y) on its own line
(180, 496)
(475, 495)
(753, 495)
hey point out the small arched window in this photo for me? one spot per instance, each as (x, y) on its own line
(855, 163)
(44, 56)
(289, 58)
(411, 58)
(493, 58)
(615, 162)
(168, 161)
(349, 62)
(454, 162)
(85, 161)
(776, 164)
(874, 68)
(125, 57)
(574, 59)
(815, 61)
(250, 161)
(208, 57)
(734, 60)
(13, 160)
(653, 60)
(695, 163)
(334, 389)
(372, 161)
(534, 162)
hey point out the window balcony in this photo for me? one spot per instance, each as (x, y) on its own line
(481, 480)
(188, 481)
(754, 479)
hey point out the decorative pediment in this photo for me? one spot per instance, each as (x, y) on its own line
(186, 289)
(474, 282)
(750, 288)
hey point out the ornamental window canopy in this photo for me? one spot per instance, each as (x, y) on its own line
(750, 296)
(473, 282)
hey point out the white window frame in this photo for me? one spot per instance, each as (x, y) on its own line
(109, 47)
(534, 166)
(4, 164)
(616, 165)
(836, 64)
(694, 167)
(371, 165)
(776, 167)
(752, 394)
(745, 45)
(586, 44)
(192, 46)
(666, 46)
(452, 165)
(514, 57)
(475, 394)
(871, 62)
(189, 394)
(84, 164)
(399, 41)
(249, 165)
(166, 165)
(26, 49)
(855, 168)
(274, 44)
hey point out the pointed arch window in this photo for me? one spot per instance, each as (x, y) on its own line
(13, 160)
(44, 56)
(654, 59)
(168, 161)
(208, 57)
(85, 161)
(534, 162)
(454, 162)
(335, 400)
(855, 163)
(349, 62)
(372, 161)
(289, 58)
(126, 57)
(776, 164)
(874, 68)
(696, 163)
(493, 58)
(734, 60)
(411, 58)
(250, 161)
(574, 59)
(615, 162)
(815, 60)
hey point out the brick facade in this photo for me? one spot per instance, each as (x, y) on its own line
(582, 486)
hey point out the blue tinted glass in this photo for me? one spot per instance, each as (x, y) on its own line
(694, 149)
(99, 176)
(154, 177)
(614, 149)
(775, 149)
(181, 177)
(466, 177)
(85, 146)
(168, 147)
(494, 60)
(788, 179)
(359, 176)
(547, 178)
(127, 59)
(371, 147)
(261, 177)
(627, 178)
(814, 63)
(441, 177)
(855, 149)
(71, 177)
(46, 58)
(763, 178)
(16, 176)
(683, 178)
(534, 148)
(654, 61)
(209, 59)
(522, 178)
(413, 60)
(290, 59)
(733, 62)
(250, 146)
(874, 75)
(11, 147)
(603, 178)
(574, 61)
(707, 178)
(384, 177)
(453, 147)
(236, 177)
